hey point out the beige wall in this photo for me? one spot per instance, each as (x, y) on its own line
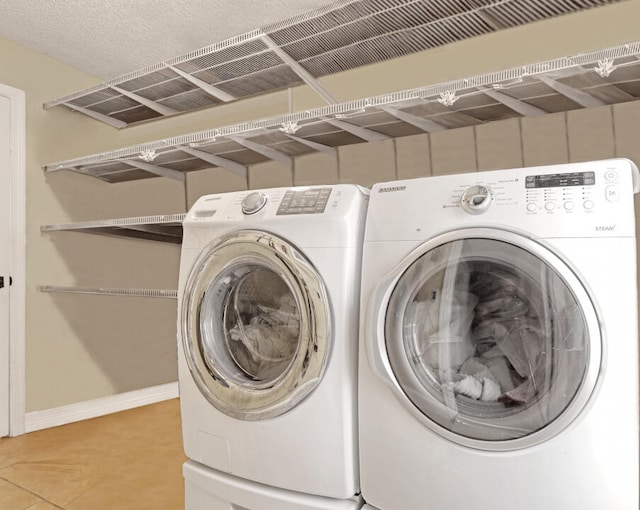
(84, 347)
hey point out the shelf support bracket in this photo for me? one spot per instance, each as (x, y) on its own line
(204, 86)
(58, 167)
(98, 116)
(580, 97)
(319, 147)
(299, 70)
(155, 169)
(232, 166)
(157, 107)
(424, 124)
(359, 131)
(270, 153)
(524, 109)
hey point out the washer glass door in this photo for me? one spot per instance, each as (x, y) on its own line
(492, 338)
(255, 325)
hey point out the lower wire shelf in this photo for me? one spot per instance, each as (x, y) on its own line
(150, 293)
(166, 228)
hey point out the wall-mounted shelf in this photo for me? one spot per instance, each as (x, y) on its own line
(344, 35)
(165, 228)
(150, 293)
(598, 78)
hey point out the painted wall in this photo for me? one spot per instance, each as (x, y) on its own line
(86, 347)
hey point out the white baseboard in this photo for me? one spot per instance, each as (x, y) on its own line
(38, 420)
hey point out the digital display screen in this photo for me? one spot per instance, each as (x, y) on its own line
(310, 201)
(560, 180)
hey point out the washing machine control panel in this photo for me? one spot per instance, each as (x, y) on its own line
(306, 201)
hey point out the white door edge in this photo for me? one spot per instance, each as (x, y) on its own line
(17, 385)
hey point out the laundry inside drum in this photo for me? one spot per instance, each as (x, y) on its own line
(489, 333)
(262, 324)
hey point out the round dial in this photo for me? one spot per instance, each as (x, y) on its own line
(253, 202)
(477, 199)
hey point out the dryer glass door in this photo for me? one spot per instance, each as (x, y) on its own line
(493, 340)
(255, 321)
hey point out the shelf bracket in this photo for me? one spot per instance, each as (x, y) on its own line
(155, 169)
(58, 167)
(299, 70)
(98, 116)
(270, 153)
(319, 147)
(424, 124)
(157, 107)
(204, 86)
(524, 109)
(359, 131)
(580, 97)
(232, 166)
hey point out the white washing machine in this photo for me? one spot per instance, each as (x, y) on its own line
(499, 347)
(206, 489)
(268, 310)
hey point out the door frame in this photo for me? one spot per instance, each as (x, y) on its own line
(17, 262)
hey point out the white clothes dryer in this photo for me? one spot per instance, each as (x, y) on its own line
(207, 489)
(499, 345)
(268, 307)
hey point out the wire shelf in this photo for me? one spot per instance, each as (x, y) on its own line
(146, 293)
(344, 35)
(604, 77)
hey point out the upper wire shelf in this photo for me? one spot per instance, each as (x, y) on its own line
(598, 78)
(341, 36)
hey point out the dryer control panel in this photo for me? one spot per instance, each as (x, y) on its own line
(565, 191)
(569, 200)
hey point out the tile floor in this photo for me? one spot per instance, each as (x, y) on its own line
(125, 461)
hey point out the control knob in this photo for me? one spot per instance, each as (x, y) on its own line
(253, 202)
(477, 199)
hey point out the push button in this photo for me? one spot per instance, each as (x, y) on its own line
(610, 175)
(611, 193)
(549, 206)
(588, 204)
(531, 207)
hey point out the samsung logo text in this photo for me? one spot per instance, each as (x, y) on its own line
(390, 189)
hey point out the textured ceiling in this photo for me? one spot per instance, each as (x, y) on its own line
(107, 38)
